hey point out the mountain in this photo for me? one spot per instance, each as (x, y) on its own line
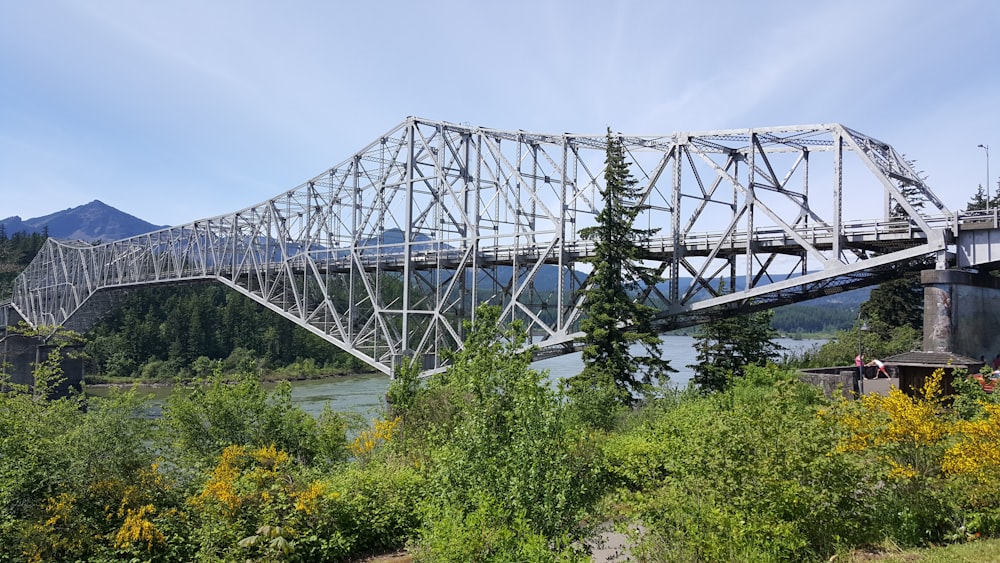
(91, 222)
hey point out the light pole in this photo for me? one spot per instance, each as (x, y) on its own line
(860, 387)
(988, 189)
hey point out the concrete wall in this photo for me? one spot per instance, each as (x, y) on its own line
(835, 381)
(19, 354)
(961, 313)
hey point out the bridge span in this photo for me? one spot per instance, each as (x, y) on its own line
(385, 254)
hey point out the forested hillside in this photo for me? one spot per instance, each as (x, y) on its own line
(163, 332)
(807, 318)
(16, 252)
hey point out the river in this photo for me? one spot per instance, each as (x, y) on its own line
(364, 394)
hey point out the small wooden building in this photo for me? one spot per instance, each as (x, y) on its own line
(912, 368)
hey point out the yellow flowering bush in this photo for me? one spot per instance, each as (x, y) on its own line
(308, 499)
(976, 451)
(972, 462)
(61, 532)
(931, 460)
(221, 485)
(907, 432)
(138, 529)
(367, 441)
(253, 489)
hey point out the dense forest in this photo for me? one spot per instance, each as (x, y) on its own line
(165, 332)
(803, 318)
(16, 252)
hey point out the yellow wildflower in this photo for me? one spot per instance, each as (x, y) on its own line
(367, 440)
(307, 501)
(977, 451)
(270, 457)
(220, 485)
(138, 529)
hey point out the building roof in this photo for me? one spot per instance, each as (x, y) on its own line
(932, 359)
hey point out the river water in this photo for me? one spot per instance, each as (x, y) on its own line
(365, 394)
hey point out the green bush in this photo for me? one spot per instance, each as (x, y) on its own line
(507, 437)
(741, 475)
(377, 506)
(489, 533)
(202, 421)
(492, 428)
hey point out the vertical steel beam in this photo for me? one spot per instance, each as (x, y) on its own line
(680, 145)
(749, 194)
(838, 195)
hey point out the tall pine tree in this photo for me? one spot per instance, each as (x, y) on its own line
(614, 320)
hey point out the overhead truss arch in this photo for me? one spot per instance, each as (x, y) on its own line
(386, 253)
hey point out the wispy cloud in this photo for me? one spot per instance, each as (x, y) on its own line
(176, 110)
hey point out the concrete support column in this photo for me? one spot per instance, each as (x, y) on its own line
(961, 313)
(20, 354)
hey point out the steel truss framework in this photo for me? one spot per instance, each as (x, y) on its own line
(385, 254)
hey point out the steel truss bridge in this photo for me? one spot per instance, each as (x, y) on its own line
(385, 254)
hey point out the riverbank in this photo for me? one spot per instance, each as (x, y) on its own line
(100, 381)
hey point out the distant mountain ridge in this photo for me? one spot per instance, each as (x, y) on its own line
(94, 221)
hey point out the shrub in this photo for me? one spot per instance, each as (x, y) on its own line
(740, 475)
(492, 428)
(488, 533)
(203, 421)
(377, 505)
(261, 503)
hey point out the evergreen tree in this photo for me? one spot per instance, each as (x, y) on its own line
(614, 318)
(982, 200)
(913, 195)
(895, 303)
(979, 200)
(726, 346)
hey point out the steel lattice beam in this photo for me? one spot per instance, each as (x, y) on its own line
(385, 254)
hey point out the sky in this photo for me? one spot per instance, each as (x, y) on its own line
(181, 110)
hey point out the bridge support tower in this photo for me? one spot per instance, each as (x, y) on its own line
(20, 354)
(961, 313)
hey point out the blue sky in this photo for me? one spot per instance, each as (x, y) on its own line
(175, 111)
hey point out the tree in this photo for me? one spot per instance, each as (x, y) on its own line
(895, 303)
(979, 200)
(501, 455)
(614, 318)
(726, 346)
(911, 193)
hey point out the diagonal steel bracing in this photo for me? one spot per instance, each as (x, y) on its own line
(387, 253)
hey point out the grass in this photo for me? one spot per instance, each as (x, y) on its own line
(979, 551)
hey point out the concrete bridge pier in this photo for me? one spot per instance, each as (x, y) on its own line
(961, 313)
(19, 354)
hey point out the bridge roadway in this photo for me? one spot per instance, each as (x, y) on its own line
(875, 236)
